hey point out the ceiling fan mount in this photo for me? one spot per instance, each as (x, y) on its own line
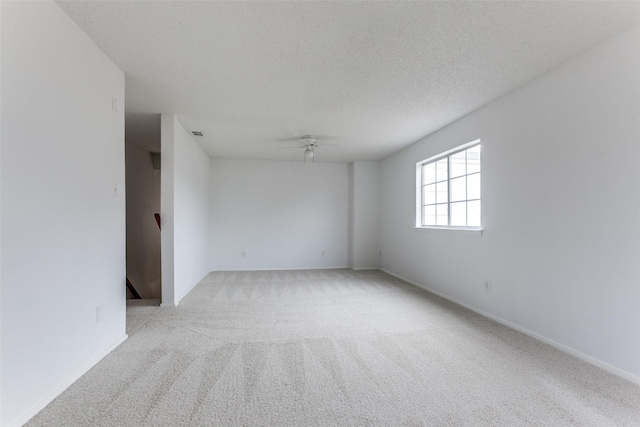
(308, 139)
(310, 144)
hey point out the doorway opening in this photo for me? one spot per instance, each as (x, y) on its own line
(144, 272)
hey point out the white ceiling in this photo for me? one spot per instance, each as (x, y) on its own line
(374, 77)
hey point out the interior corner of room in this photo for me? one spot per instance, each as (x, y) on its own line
(558, 257)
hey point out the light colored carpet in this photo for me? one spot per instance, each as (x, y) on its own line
(334, 348)
(144, 311)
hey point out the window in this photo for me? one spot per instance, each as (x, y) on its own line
(448, 189)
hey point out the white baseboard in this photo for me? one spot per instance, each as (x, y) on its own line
(184, 294)
(246, 270)
(282, 269)
(65, 384)
(585, 357)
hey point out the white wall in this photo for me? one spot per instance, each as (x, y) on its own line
(185, 211)
(365, 223)
(63, 206)
(561, 212)
(143, 235)
(167, 130)
(283, 215)
(0, 222)
(350, 214)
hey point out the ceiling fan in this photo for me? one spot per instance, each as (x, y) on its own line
(310, 144)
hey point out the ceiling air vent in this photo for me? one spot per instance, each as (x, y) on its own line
(197, 133)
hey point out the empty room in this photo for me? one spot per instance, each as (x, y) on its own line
(319, 213)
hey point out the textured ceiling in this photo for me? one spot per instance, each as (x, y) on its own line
(372, 77)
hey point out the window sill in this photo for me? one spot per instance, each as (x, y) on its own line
(456, 230)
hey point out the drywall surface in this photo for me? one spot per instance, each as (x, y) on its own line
(365, 225)
(143, 234)
(350, 214)
(560, 209)
(191, 212)
(63, 206)
(167, 136)
(278, 215)
(185, 211)
(0, 224)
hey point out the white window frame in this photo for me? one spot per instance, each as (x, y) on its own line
(440, 156)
